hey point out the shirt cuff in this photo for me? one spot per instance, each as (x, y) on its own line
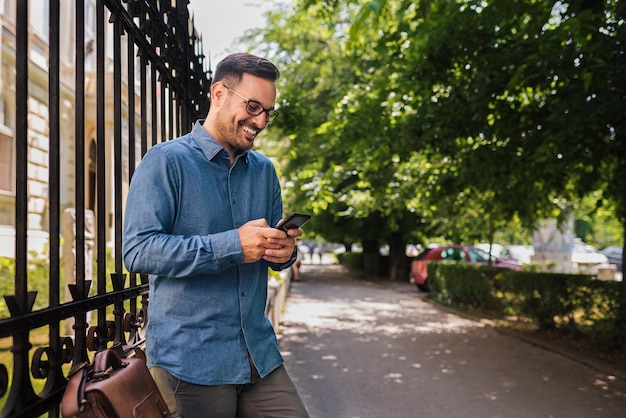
(292, 259)
(226, 247)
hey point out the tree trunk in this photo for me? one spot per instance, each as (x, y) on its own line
(397, 257)
(492, 232)
(370, 246)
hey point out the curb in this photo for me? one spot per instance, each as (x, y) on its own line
(598, 364)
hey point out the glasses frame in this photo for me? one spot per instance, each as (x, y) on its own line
(272, 114)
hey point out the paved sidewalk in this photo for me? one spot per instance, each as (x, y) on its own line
(360, 349)
(561, 348)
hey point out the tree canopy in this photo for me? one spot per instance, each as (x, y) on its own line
(405, 120)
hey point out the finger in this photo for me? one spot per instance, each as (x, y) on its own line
(274, 259)
(284, 242)
(274, 234)
(294, 233)
(273, 245)
(282, 252)
(258, 222)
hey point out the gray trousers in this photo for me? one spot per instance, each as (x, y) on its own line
(274, 396)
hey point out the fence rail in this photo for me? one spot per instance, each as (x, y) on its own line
(151, 84)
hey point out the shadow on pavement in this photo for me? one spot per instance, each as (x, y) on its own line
(361, 348)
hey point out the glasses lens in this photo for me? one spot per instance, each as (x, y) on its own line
(273, 114)
(254, 108)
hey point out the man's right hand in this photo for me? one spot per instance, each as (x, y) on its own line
(254, 235)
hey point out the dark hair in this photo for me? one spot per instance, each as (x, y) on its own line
(234, 66)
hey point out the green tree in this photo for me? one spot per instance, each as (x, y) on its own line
(449, 117)
(344, 152)
(523, 97)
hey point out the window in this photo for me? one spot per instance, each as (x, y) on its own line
(6, 162)
(6, 149)
(478, 256)
(40, 17)
(8, 11)
(90, 36)
(453, 254)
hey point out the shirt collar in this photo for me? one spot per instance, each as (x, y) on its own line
(209, 145)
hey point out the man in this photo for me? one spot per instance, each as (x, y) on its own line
(199, 220)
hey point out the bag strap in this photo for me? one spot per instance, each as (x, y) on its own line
(74, 396)
(81, 400)
(104, 362)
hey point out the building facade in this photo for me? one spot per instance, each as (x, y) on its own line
(86, 88)
(38, 118)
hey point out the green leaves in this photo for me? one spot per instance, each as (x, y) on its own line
(462, 114)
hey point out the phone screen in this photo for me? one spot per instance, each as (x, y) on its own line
(293, 221)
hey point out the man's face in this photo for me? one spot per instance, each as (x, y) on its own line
(235, 127)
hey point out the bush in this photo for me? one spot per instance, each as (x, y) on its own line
(576, 303)
(371, 264)
(353, 261)
(545, 297)
(463, 285)
(38, 279)
(7, 285)
(376, 265)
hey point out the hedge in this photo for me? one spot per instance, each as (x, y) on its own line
(579, 303)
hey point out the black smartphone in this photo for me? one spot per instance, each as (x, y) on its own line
(293, 221)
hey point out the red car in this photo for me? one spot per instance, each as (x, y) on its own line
(467, 253)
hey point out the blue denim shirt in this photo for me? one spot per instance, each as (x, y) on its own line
(207, 308)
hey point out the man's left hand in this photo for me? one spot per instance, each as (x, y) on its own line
(283, 246)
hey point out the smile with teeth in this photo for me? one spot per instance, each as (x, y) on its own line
(249, 130)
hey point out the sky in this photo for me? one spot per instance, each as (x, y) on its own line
(222, 21)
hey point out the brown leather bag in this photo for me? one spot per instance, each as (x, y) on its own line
(113, 387)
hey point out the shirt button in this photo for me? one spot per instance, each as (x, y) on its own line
(243, 294)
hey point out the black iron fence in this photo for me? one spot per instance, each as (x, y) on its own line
(141, 72)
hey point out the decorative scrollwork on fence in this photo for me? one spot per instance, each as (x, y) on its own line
(165, 93)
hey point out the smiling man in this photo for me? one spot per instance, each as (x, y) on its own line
(200, 220)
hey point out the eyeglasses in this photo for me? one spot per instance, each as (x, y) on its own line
(255, 108)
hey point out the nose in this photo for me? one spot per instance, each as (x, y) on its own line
(264, 117)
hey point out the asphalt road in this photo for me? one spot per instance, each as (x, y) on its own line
(361, 349)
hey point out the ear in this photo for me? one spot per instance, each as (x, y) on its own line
(218, 92)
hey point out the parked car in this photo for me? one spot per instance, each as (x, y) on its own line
(614, 255)
(496, 249)
(586, 259)
(520, 253)
(464, 253)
